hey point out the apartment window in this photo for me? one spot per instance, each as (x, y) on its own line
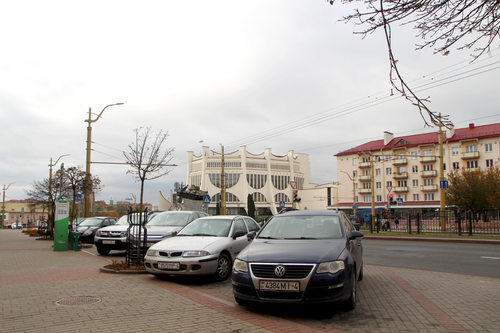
(455, 151)
(401, 169)
(378, 172)
(400, 156)
(402, 183)
(354, 173)
(414, 155)
(415, 182)
(488, 147)
(356, 199)
(456, 165)
(388, 171)
(389, 183)
(444, 166)
(366, 172)
(489, 163)
(414, 169)
(379, 198)
(429, 196)
(367, 198)
(472, 164)
(471, 149)
(444, 151)
(388, 158)
(415, 197)
(378, 184)
(428, 182)
(355, 161)
(427, 167)
(355, 186)
(366, 159)
(367, 185)
(427, 153)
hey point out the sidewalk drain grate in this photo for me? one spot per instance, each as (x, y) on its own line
(79, 300)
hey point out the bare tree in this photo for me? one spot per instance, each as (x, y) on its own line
(460, 24)
(148, 160)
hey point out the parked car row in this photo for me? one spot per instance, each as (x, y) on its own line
(312, 256)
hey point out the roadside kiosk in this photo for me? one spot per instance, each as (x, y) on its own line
(61, 223)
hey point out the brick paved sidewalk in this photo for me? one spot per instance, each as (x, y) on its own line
(33, 278)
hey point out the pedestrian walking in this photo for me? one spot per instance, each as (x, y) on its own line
(396, 222)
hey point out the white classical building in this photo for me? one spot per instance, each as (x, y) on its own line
(270, 179)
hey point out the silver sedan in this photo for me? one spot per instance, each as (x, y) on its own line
(206, 246)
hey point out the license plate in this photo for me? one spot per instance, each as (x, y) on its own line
(108, 241)
(168, 265)
(279, 286)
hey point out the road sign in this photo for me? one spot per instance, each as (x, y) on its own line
(443, 184)
(282, 204)
(206, 200)
(78, 197)
(354, 206)
(389, 188)
(293, 184)
(399, 201)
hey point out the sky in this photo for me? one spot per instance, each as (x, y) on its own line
(280, 74)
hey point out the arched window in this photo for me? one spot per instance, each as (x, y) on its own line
(230, 179)
(281, 197)
(258, 197)
(229, 197)
(280, 182)
(256, 181)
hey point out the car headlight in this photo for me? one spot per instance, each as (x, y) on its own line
(240, 266)
(87, 232)
(123, 233)
(98, 233)
(195, 254)
(153, 253)
(330, 267)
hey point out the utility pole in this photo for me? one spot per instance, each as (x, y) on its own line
(87, 182)
(3, 206)
(222, 185)
(442, 197)
(353, 191)
(372, 174)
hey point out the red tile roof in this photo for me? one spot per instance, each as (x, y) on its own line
(461, 134)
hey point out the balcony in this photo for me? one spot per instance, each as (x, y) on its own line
(472, 155)
(427, 159)
(364, 165)
(402, 175)
(365, 178)
(400, 161)
(399, 189)
(470, 169)
(365, 191)
(429, 188)
(428, 173)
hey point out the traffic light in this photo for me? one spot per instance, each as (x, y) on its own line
(296, 197)
(391, 199)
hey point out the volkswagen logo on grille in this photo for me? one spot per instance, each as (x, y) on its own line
(279, 271)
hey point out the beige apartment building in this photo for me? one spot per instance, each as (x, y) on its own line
(409, 166)
(20, 211)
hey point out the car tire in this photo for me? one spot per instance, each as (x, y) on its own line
(224, 266)
(103, 250)
(360, 277)
(350, 304)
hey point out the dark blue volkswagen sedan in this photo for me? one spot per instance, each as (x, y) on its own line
(310, 256)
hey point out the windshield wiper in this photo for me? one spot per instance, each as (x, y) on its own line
(302, 238)
(267, 237)
(203, 235)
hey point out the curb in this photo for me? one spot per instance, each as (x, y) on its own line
(114, 271)
(437, 239)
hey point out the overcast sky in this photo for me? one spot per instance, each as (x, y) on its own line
(279, 74)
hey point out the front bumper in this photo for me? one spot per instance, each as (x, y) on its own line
(314, 288)
(113, 243)
(206, 265)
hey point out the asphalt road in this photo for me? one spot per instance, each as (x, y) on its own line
(459, 258)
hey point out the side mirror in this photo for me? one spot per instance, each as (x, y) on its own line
(239, 233)
(251, 235)
(174, 233)
(356, 234)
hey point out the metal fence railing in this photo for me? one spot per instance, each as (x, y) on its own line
(447, 222)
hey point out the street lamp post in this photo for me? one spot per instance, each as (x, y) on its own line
(3, 205)
(87, 181)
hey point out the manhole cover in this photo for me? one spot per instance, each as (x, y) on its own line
(78, 300)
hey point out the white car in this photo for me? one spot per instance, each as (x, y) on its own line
(206, 246)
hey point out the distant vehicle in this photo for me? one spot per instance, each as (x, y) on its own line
(311, 256)
(79, 220)
(206, 246)
(16, 225)
(88, 228)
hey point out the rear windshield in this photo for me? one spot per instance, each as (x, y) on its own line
(302, 227)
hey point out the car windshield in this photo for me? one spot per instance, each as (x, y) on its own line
(124, 219)
(207, 227)
(170, 219)
(302, 227)
(91, 222)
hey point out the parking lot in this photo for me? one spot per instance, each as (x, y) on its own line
(44, 291)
